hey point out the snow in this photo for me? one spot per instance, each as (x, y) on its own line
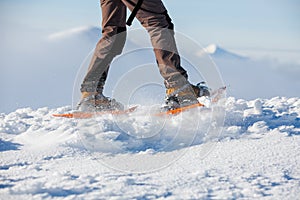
(94, 32)
(212, 48)
(255, 154)
(217, 52)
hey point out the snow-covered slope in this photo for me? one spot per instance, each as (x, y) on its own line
(79, 32)
(256, 156)
(217, 52)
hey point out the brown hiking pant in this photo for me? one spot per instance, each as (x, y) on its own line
(154, 17)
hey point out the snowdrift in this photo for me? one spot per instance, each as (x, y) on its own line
(254, 154)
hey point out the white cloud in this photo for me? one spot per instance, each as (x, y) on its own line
(41, 71)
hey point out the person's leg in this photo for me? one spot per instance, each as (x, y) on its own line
(111, 44)
(154, 17)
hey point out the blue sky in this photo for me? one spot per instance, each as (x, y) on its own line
(261, 24)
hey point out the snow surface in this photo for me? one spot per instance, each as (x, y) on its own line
(256, 156)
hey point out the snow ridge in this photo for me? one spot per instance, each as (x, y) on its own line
(217, 52)
(256, 156)
(84, 31)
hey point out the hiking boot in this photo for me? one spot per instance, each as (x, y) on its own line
(93, 101)
(185, 95)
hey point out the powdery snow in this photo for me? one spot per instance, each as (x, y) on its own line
(141, 157)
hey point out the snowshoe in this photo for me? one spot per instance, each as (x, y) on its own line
(184, 96)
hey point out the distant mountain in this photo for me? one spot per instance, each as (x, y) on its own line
(217, 52)
(86, 32)
(85, 36)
